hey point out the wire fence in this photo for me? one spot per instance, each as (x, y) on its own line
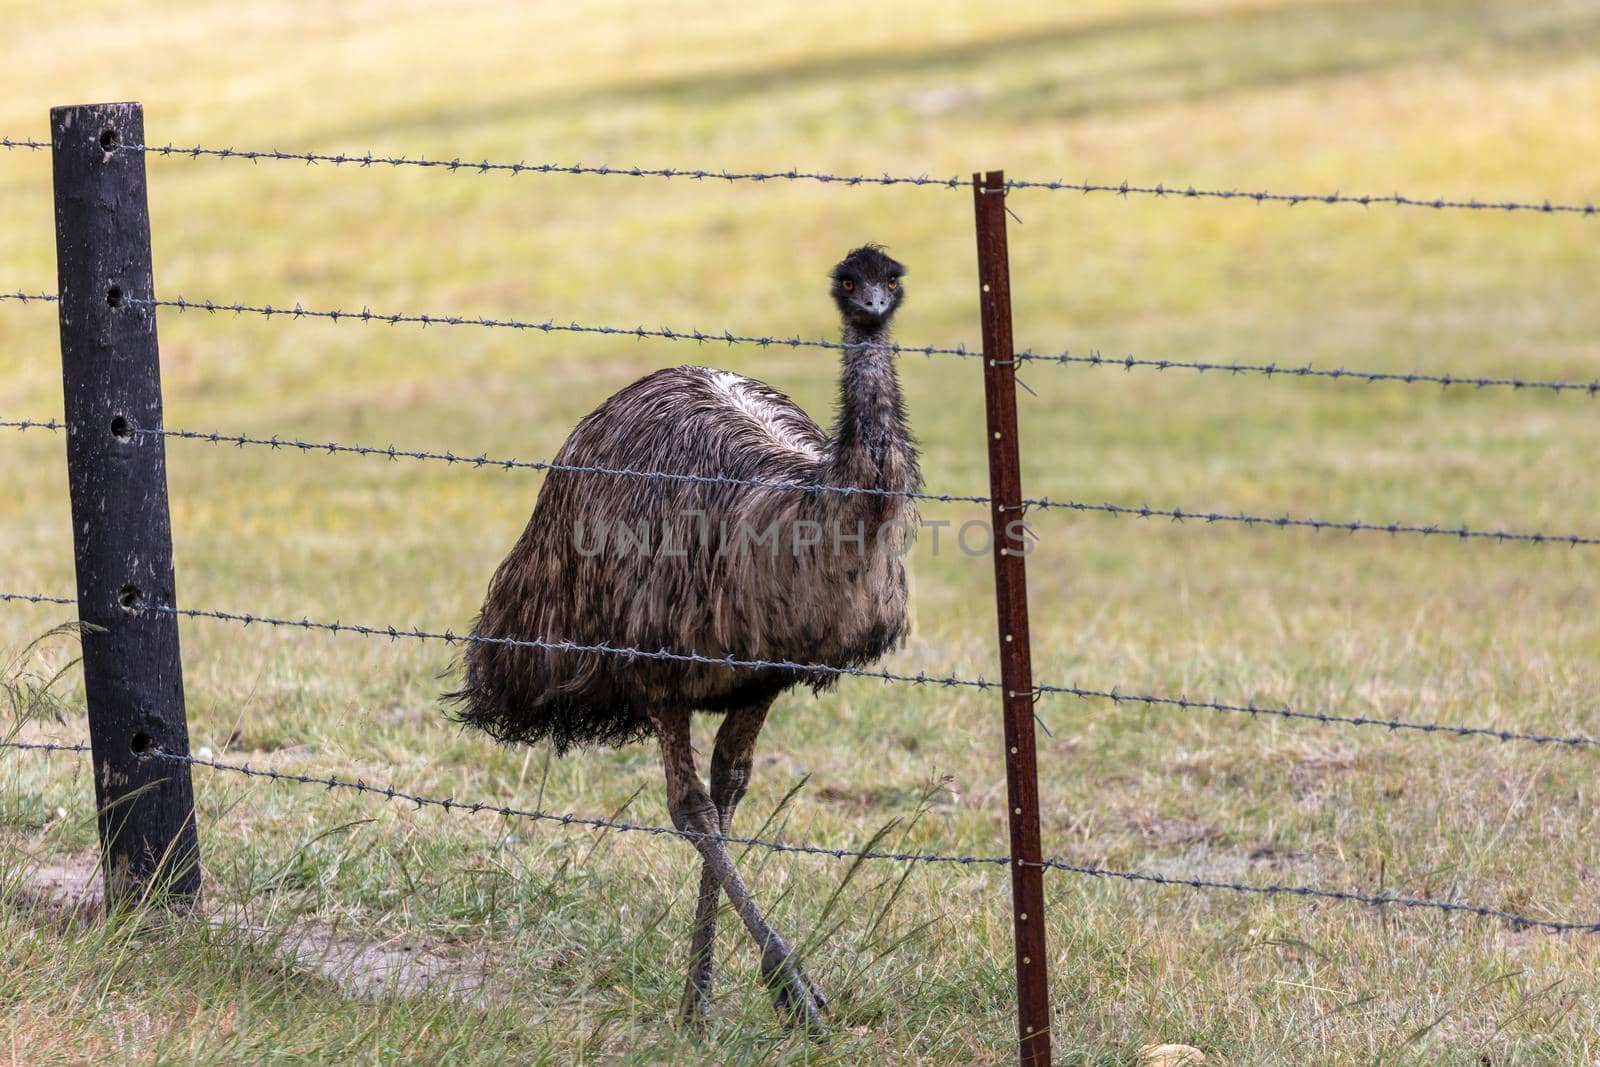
(1161, 191)
(450, 804)
(623, 654)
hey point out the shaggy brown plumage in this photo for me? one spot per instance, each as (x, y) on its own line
(755, 573)
(694, 566)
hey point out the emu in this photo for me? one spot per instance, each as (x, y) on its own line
(725, 570)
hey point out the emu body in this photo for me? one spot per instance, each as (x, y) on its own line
(721, 569)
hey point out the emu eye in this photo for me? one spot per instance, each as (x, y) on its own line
(847, 285)
(894, 283)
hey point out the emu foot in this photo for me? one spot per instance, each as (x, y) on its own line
(694, 1009)
(799, 1003)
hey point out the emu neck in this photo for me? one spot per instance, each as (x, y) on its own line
(872, 444)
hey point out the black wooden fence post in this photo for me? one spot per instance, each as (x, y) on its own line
(121, 529)
(1011, 599)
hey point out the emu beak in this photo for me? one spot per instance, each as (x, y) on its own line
(876, 300)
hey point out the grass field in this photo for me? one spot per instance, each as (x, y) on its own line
(580, 938)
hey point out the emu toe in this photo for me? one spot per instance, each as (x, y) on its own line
(799, 1003)
(694, 1010)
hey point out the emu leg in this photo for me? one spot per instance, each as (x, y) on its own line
(693, 811)
(696, 1002)
(730, 777)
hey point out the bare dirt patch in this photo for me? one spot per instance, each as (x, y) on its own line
(71, 892)
(1171, 830)
(68, 892)
(392, 967)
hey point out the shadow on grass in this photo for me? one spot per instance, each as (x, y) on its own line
(1162, 57)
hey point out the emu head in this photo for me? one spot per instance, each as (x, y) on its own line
(867, 288)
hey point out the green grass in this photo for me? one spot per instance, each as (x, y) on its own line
(581, 937)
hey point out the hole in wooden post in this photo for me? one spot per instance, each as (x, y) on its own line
(142, 744)
(120, 427)
(110, 140)
(130, 597)
(114, 296)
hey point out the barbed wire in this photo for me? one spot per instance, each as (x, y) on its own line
(1140, 511)
(1190, 192)
(1094, 358)
(1347, 896)
(449, 804)
(1177, 514)
(449, 637)
(1463, 533)
(476, 807)
(960, 350)
(32, 424)
(36, 598)
(426, 319)
(485, 166)
(1307, 370)
(392, 452)
(922, 678)
(950, 680)
(1124, 189)
(1116, 696)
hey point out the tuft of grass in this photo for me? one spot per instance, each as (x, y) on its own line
(29, 680)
